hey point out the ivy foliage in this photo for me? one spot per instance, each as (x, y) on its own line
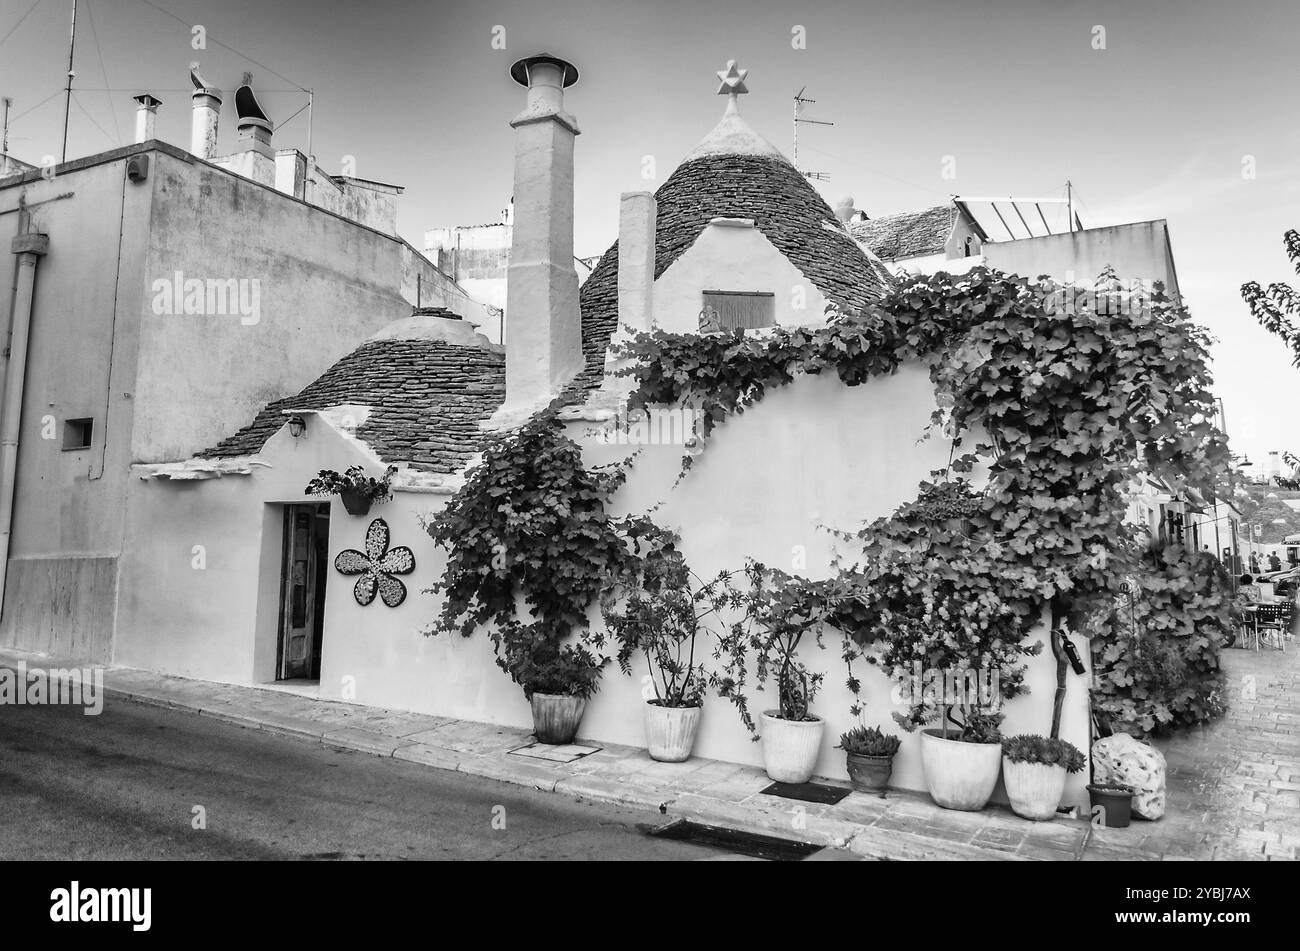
(1067, 396)
(530, 527)
(1160, 654)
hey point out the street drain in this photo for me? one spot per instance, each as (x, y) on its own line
(731, 840)
(808, 792)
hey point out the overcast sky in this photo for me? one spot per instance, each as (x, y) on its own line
(1159, 124)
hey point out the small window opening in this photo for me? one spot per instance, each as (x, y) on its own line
(77, 433)
(737, 310)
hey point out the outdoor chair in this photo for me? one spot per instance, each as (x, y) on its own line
(1273, 621)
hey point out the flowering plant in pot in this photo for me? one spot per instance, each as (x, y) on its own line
(357, 490)
(869, 753)
(781, 612)
(665, 608)
(1034, 770)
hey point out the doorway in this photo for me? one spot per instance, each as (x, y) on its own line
(303, 573)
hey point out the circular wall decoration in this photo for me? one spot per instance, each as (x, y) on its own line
(377, 566)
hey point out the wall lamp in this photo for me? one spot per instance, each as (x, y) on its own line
(296, 426)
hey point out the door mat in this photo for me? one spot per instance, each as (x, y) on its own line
(808, 792)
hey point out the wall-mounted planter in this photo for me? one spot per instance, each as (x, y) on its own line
(355, 503)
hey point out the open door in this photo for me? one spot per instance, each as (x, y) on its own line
(303, 575)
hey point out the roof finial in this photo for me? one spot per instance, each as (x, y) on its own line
(733, 84)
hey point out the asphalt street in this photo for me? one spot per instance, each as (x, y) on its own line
(134, 783)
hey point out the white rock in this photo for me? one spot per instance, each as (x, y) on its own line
(1130, 762)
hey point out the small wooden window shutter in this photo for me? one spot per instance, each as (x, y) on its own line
(739, 310)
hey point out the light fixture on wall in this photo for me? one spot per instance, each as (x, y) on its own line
(296, 426)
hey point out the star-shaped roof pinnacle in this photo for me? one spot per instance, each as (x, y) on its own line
(733, 80)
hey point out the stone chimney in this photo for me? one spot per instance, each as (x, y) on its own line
(254, 156)
(544, 327)
(146, 115)
(638, 214)
(207, 113)
(844, 209)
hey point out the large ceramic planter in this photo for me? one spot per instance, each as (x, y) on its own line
(869, 773)
(1033, 789)
(959, 775)
(556, 717)
(670, 731)
(354, 502)
(790, 747)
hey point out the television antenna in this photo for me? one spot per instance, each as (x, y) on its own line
(799, 101)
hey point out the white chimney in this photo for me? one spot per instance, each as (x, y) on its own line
(254, 157)
(146, 114)
(207, 114)
(844, 209)
(637, 216)
(544, 327)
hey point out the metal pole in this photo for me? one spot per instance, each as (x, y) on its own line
(1069, 203)
(311, 157)
(67, 99)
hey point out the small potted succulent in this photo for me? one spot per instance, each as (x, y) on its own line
(870, 757)
(1112, 803)
(665, 608)
(357, 490)
(558, 680)
(1034, 770)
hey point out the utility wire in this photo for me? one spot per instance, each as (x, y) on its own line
(14, 119)
(82, 107)
(13, 28)
(102, 68)
(212, 39)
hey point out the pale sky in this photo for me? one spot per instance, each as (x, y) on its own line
(1159, 124)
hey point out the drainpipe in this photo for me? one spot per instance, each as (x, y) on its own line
(28, 247)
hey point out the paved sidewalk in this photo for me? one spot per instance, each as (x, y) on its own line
(1233, 786)
(901, 826)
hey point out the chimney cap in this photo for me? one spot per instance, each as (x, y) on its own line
(519, 71)
(147, 100)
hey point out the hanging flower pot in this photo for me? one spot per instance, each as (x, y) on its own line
(354, 502)
(670, 731)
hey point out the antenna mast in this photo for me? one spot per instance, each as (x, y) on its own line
(799, 100)
(67, 99)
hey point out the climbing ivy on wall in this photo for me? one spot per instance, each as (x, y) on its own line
(530, 529)
(1067, 395)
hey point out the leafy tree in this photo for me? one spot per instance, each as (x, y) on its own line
(1278, 308)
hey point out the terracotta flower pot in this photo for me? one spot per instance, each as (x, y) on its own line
(869, 773)
(670, 731)
(1034, 789)
(556, 717)
(790, 747)
(959, 775)
(354, 502)
(1116, 805)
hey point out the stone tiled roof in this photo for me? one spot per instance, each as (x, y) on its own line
(425, 397)
(785, 208)
(907, 235)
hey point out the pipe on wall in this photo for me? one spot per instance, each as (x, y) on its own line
(29, 248)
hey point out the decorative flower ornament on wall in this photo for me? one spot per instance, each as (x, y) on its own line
(377, 565)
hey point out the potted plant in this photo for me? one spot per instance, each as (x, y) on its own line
(666, 607)
(1034, 770)
(780, 611)
(357, 490)
(961, 765)
(1112, 802)
(558, 679)
(870, 757)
